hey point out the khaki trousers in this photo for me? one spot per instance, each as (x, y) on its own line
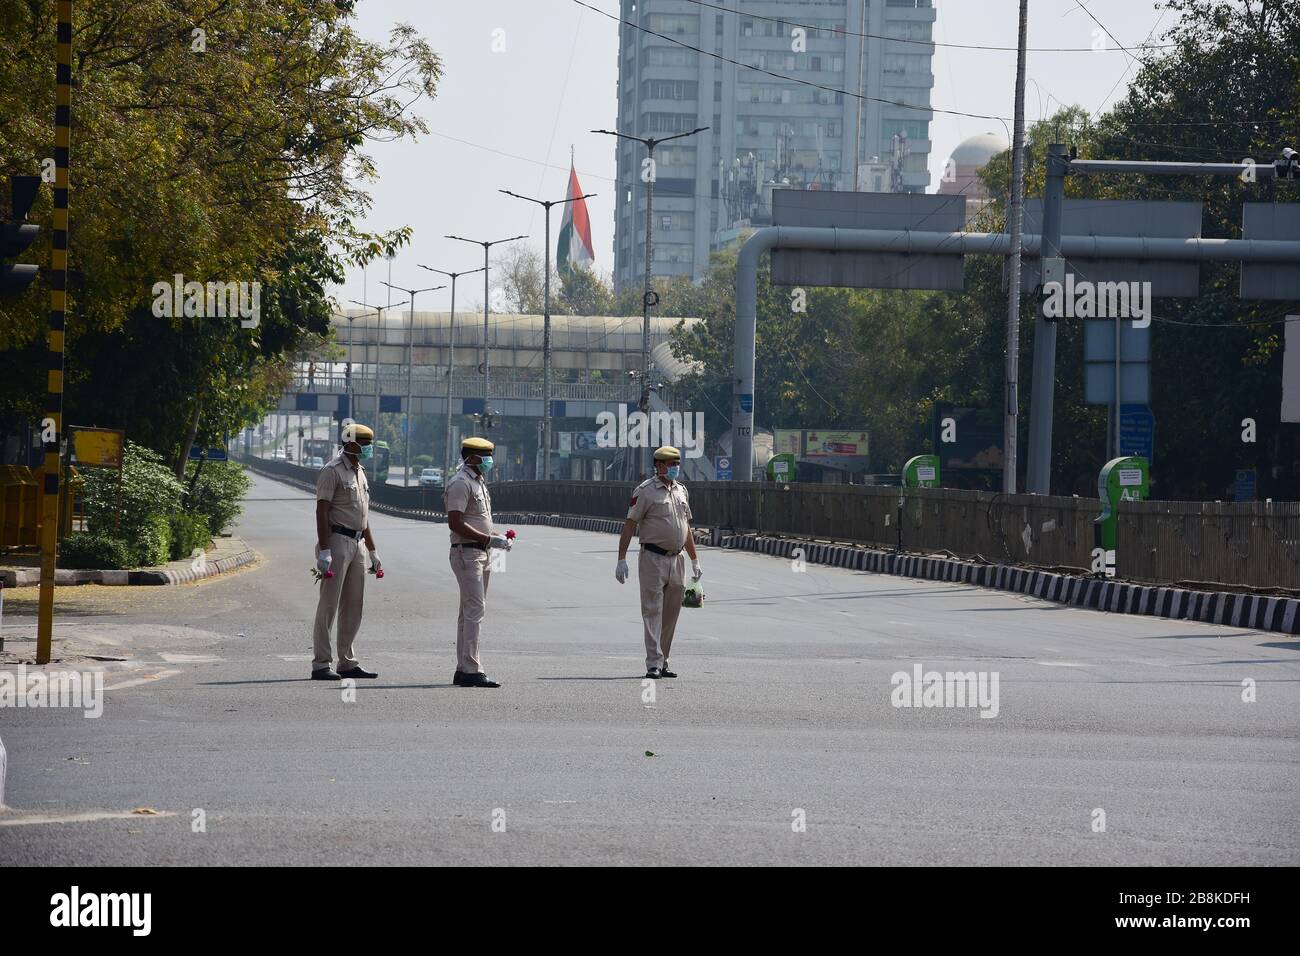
(340, 596)
(470, 565)
(663, 579)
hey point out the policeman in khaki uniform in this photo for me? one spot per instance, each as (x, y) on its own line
(469, 518)
(342, 523)
(661, 515)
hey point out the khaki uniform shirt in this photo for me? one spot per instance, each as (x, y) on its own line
(468, 492)
(662, 513)
(348, 493)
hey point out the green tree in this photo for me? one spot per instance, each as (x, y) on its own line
(219, 142)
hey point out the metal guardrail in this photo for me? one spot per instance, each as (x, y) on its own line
(1235, 545)
(464, 386)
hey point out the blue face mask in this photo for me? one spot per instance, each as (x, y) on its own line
(485, 464)
(367, 452)
(674, 471)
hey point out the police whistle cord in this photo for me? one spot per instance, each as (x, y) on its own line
(52, 426)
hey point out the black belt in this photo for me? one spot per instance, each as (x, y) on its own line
(658, 550)
(471, 544)
(347, 532)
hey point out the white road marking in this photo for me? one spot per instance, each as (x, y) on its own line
(22, 818)
(1060, 664)
(141, 680)
(793, 598)
(190, 658)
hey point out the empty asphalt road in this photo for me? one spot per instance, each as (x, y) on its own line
(782, 716)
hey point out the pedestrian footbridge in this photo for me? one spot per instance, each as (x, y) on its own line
(595, 365)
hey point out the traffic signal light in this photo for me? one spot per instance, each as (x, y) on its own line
(16, 234)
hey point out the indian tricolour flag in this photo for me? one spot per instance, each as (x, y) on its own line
(575, 231)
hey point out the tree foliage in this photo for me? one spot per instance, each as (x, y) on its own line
(217, 141)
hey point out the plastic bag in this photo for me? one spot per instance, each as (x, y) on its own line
(693, 596)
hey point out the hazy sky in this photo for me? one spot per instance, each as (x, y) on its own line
(556, 79)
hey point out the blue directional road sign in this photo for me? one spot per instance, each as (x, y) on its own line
(1243, 489)
(1137, 432)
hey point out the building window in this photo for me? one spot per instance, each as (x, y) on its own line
(665, 222)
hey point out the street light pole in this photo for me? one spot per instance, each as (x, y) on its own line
(486, 304)
(1011, 413)
(410, 372)
(648, 297)
(546, 324)
(451, 353)
(379, 321)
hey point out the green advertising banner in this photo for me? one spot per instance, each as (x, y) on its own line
(922, 471)
(1122, 479)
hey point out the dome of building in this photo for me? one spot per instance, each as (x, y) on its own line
(978, 150)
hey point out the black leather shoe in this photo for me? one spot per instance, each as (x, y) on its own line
(357, 672)
(654, 673)
(476, 680)
(325, 674)
(458, 678)
(665, 671)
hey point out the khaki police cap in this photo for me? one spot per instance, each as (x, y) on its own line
(355, 431)
(476, 446)
(667, 453)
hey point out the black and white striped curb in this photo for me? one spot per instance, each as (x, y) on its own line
(1260, 612)
(63, 577)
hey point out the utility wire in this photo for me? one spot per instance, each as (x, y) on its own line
(788, 79)
(880, 36)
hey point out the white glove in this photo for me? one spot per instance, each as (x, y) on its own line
(375, 564)
(323, 560)
(621, 572)
(499, 542)
(696, 571)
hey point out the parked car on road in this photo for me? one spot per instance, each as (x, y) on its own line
(431, 478)
(314, 461)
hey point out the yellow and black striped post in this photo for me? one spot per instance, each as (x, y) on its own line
(52, 427)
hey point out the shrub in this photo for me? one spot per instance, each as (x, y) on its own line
(153, 542)
(130, 509)
(217, 495)
(188, 532)
(422, 461)
(94, 550)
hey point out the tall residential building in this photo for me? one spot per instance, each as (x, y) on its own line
(765, 131)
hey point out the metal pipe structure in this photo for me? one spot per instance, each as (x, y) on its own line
(1265, 170)
(950, 243)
